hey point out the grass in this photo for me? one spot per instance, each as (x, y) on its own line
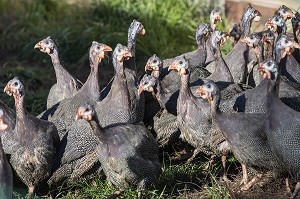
(170, 28)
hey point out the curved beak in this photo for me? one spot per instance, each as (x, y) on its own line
(140, 89)
(7, 90)
(143, 31)
(148, 66)
(37, 45)
(3, 124)
(107, 48)
(296, 45)
(173, 66)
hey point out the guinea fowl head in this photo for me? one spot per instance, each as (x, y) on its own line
(252, 40)
(3, 122)
(180, 65)
(218, 37)
(209, 91)
(251, 14)
(285, 46)
(215, 16)
(147, 83)
(136, 27)
(285, 12)
(121, 53)
(202, 30)
(46, 45)
(15, 87)
(268, 69)
(296, 20)
(154, 63)
(235, 31)
(268, 36)
(86, 112)
(274, 22)
(98, 51)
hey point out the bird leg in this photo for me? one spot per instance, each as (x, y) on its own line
(195, 153)
(297, 188)
(31, 190)
(251, 183)
(287, 187)
(245, 175)
(210, 162)
(223, 171)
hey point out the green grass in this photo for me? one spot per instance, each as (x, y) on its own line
(170, 29)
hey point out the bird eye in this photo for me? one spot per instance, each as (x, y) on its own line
(180, 62)
(98, 47)
(276, 20)
(208, 86)
(119, 50)
(269, 64)
(154, 61)
(284, 11)
(16, 84)
(286, 41)
(47, 42)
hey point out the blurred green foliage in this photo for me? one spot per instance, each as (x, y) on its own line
(74, 24)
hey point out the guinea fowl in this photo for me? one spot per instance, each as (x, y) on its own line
(254, 41)
(276, 24)
(196, 58)
(164, 123)
(283, 126)
(285, 12)
(246, 135)
(117, 106)
(66, 85)
(128, 153)
(6, 175)
(237, 58)
(215, 17)
(77, 156)
(170, 82)
(221, 71)
(137, 101)
(289, 67)
(61, 115)
(194, 117)
(166, 100)
(37, 141)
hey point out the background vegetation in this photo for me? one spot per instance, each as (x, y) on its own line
(170, 26)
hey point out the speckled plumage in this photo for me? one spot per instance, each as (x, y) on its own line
(137, 101)
(245, 133)
(74, 158)
(62, 114)
(66, 85)
(6, 175)
(128, 153)
(37, 141)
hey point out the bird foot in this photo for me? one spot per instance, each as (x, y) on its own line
(254, 180)
(244, 181)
